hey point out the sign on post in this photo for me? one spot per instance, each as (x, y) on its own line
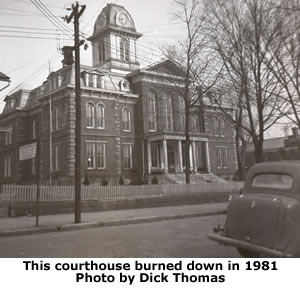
(27, 151)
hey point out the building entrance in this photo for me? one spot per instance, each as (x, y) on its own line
(171, 159)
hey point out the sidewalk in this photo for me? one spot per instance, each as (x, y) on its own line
(64, 222)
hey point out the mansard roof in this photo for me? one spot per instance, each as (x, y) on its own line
(4, 77)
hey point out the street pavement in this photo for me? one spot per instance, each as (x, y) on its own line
(65, 222)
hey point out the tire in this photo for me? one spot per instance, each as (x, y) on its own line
(247, 253)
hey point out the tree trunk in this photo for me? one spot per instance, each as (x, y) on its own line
(187, 146)
(258, 150)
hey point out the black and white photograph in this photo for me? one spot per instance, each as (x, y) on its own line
(150, 129)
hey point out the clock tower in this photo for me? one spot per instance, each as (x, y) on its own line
(114, 40)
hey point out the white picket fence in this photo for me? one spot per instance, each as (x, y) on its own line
(66, 193)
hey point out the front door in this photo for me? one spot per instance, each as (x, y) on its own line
(171, 161)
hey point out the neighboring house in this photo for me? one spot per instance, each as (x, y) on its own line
(277, 149)
(4, 78)
(132, 125)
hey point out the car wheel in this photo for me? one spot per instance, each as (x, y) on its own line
(247, 253)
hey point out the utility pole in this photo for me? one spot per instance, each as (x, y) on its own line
(38, 170)
(76, 15)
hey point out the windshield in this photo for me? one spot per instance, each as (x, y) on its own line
(277, 181)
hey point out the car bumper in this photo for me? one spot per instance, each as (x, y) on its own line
(246, 245)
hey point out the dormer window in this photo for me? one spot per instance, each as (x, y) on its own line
(94, 80)
(11, 104)
(56, 81)
(59, 80)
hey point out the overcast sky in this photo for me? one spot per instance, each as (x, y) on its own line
(25, 58)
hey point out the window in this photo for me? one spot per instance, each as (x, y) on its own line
(33, 129)
(102, 51)
(8, 136)
(168, 113)
(55, 82)
(90, 115)
(222, 127)
(279, 181)
(100, 116)
(89, 80)
(55, 118)
(100, 81)
(96, 155)
(152, 112)
(219, 127)
(126, 119)
(7, 166)
(194, 124)
(182, 113)
(124, 50)
(33, 166)
(59, 80)
(94, 80)
(155, 155)
(90, 155)
(11, 104)
(55, 157)
(100, 155)
(222, 157)
(127, 156)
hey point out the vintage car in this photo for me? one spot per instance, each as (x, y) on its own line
(264, 220)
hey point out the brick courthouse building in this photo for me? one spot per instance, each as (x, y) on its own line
(131, 122)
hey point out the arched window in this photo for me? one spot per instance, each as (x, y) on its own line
(182, 113)
(102, 50)
(100, 116)
(168, 108)
(194, 123)
(219, 126)
(152, 111)
(90, 115)
(124, 49)
(126, 119)
(222, 127)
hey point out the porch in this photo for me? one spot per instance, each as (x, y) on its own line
(168, 155)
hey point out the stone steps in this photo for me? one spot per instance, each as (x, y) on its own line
(180, 178)
(3, 212)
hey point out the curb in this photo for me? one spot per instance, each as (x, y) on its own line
(80, 226)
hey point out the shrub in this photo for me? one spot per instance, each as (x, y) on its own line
(86, 180)
(154, 180)
(121, 181)
(104, 181)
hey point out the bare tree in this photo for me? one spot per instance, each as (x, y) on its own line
(284, 60)
(192, 55)
(241, 33)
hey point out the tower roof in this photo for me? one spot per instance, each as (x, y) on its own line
(114, 17)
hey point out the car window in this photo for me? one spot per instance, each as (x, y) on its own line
(278, 181)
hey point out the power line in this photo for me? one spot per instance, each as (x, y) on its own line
(29, 28)
(18, 10)
(27, 32)
(50, 16)
(30, 37)
(36, 73)
(27, 2)
(53, 16)
(25, 15)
